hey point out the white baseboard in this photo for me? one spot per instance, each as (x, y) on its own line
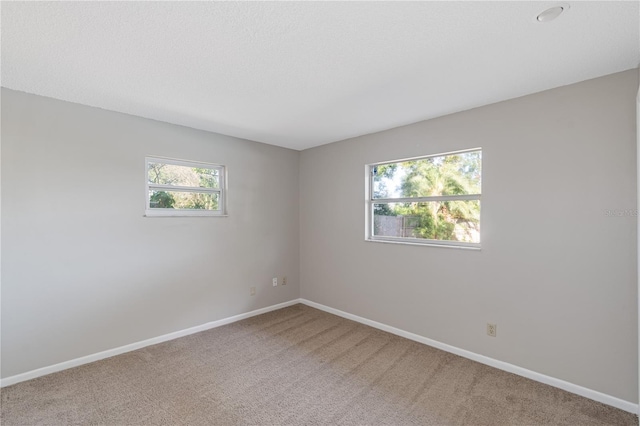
(552, 381)
(138, 345)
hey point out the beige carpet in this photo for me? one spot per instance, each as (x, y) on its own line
(295, 366)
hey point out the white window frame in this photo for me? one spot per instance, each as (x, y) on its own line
(221, 190)
(370, 201)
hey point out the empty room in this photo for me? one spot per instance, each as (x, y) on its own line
(319, 213)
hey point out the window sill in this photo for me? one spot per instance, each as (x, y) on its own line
(425, 244)
(182, 214)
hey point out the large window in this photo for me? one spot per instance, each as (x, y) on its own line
(184, 188)
(427, 200)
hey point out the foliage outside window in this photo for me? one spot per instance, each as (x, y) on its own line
(184, 188)
(428, 200)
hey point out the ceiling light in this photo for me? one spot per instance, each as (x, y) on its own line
(552, 13)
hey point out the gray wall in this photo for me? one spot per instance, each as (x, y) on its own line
(83, 271)
(555, 272)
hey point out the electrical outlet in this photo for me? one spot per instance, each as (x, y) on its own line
(284, 280)
(275, 281)
(252, 290)
(492, 329)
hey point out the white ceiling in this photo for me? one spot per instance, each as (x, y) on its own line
(301, 74)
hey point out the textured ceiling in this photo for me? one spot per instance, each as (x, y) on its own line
(301, 74)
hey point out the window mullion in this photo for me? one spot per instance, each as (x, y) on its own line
(466, 197)
(177, 188)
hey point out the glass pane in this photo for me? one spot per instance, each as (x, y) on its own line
(434, 220)
(183, 200)
(169, 174)
(456, 174)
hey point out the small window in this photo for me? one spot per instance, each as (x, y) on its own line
(184, 188)
(427, 200)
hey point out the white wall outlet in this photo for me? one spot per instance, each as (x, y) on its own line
(252, 290)
(284, 281)
(275, 281)
(492, 329)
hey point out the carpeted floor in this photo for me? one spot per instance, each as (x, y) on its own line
(295, 366)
